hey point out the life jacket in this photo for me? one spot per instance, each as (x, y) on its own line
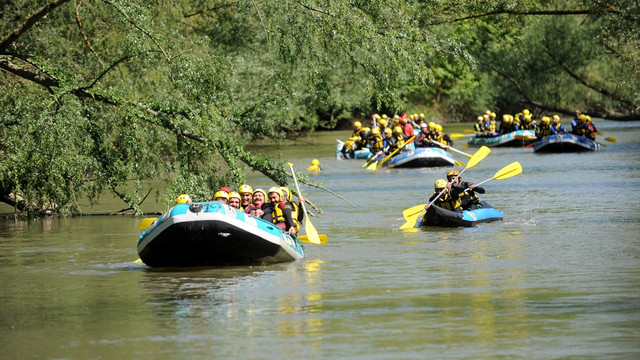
(377, 143)
(278, 215)
(252, 209)
(446, 201)
(350, 144)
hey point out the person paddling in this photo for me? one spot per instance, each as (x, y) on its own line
(469, 200)
(450, 199)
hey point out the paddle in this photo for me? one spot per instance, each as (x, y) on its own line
(611, 139)
(312, 234)
(506, 172)
(304, 238)
(529, 145)
(370, 160)
(449, 147)
(468, 131)
(146, 222)
(475, 159)
(379, 164)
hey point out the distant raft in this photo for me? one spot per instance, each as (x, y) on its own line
(513, 139)
(437, 216)
(565, 143)
(214, 234)
(421, 157)
(358, 154)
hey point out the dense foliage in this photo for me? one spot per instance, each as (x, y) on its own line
(104, 95)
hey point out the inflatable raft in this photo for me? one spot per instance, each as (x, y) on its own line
(565, 143)
(358, 154)
(214, 234)
(437, 216)
(513, 139)
(421, 157)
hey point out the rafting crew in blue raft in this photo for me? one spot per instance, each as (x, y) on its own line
(458, 195)
(275, 206)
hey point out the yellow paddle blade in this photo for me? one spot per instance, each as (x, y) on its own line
(456, 136)
(139, 261)
(611, 139)
(368, 162)
(373, 166)
(146, 222)
(412, 211)
(304, 238)
(508, 171)
(412, 220)
(468, 131)
(312, 234)
(478, 156)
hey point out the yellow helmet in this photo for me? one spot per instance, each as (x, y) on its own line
(375, 130)
(315, 162)
(453, 173)
(556, 118)
(421, 116)
(397, 129)
(285, 190)
(527, 117)
(526, 112)
(260, 191)
(277, 191)
(382, 122)
(183, 199)
(438, 127)
(388, 131)
(432, 125)
(492, 114)
(221, 194)
(234, 195)
(245, 189)
(357, 124)
(480, 118)
(440, 184)
(384, 116)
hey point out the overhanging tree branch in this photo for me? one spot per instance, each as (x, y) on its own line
(27, 24)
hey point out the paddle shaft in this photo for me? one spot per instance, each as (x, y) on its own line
(449, 147)
(396, 150)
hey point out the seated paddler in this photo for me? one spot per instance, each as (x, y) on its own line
(451, 196)
(469, 199)
(279, 211)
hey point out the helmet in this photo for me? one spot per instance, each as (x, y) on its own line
(382, 122)
(492, 114)
(375, 130)
(397, 129)
(286, 192)
(183, 199)
(480, 118)
(453, 173)
(357, 124)
(440, 184)
(225, 189)
(315, 162)
(260, 191)
(384, 116)
(234, 195)
(424, 125)
(546, 119)
(245, 189)
(277, 191)
(526, 112)
(421, 115)
(221, 194)
(438, 127)
(556, 118)
(388, 131)
(432, 125)
(527, 117)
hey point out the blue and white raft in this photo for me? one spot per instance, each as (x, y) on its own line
(437, 216)
(363, 153)
(214, 234)
(421, 157)
(514, 138)
(565, 143)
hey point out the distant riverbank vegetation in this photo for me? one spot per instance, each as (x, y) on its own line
(101, 94)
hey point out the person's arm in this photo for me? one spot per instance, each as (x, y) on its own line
(288, 219)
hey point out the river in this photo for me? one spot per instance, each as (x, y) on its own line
(558, 278)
